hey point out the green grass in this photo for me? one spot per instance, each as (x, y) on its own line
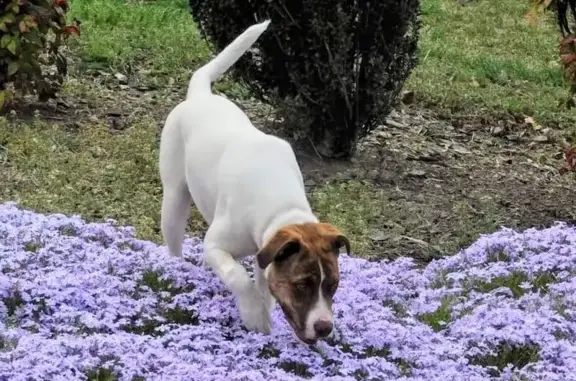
(438, 319)
(514, 283)
(481, 53)
(362, 211)
(127, 36)
(98, 175)
(101, 375)
(473, 55)
(101, 175)
(518, 356)
(149, 42)
(352, 206)
(92, 173)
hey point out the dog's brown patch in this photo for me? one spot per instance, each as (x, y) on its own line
(299, 255)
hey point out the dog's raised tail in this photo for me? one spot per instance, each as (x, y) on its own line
(202, 78)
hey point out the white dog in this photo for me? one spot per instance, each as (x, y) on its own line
(248, 187)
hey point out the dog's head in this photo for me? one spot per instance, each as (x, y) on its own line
(301, 263)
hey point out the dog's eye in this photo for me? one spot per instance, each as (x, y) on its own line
(331, 287)
(302, 286)
(305, 284)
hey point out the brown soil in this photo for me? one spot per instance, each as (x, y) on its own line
(505, 172)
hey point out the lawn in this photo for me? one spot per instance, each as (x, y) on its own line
(474, 54)
(481, 67)
(483, 54)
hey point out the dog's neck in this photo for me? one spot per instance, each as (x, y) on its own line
(290, 217)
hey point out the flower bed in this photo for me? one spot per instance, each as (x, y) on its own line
(87, 301)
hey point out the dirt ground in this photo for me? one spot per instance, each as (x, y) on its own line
(451, 178)
(436, 180)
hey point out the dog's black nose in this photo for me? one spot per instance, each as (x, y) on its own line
(323, 328)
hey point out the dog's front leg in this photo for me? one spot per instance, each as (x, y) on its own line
(262, 286)
(253, 310)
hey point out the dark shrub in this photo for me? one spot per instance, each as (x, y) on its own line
(332, 69)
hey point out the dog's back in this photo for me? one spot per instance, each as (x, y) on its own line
(201, 133)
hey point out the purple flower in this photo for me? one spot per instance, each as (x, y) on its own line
(83, 300)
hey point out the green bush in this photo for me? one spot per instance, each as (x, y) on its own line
(332, 68)
(33, 32)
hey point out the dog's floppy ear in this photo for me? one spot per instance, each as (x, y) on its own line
(335, 237)
(281, 247)
(339, 241)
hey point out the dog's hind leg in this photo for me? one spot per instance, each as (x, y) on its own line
(176, 199)
(175, 211)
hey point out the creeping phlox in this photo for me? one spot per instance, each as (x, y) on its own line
(88, 301)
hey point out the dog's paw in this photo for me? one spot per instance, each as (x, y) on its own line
(255, 315)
